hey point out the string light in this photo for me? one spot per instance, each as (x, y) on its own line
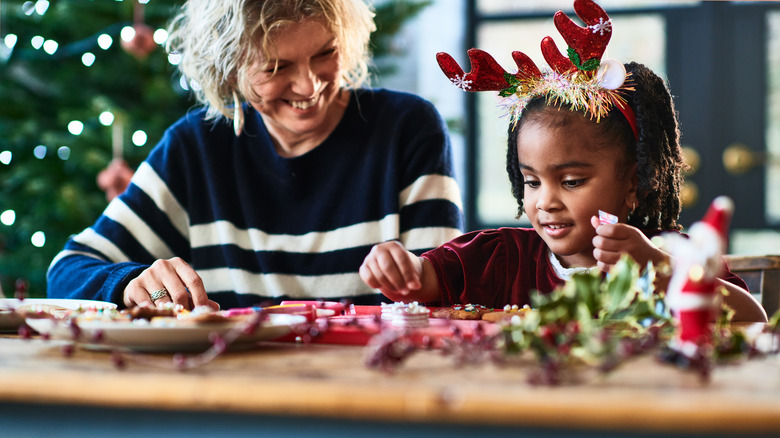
(174, 58)
(5, 157)
(63, 152)
(160, 36)
(10, 40)
(41, 6)
(104, 41)
(37, 42)
(8, 217)
(38, 239)
(139, 138)
(40, 151)
(88, 59)
(75, 127)
(106, 118)
(127, 33)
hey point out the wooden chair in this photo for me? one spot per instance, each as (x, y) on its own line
(762, 275)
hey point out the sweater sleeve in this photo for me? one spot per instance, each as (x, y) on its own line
(141, 225)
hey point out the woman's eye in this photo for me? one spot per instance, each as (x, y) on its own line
(570, 183)
(531, 184)
(327, 53)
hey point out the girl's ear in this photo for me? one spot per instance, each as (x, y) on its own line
(631, 191)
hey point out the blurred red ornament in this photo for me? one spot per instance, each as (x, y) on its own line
(142, 43)
(115, 178)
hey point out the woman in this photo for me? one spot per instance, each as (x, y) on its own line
(287, 199)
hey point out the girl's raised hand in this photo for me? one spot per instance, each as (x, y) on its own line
(613, 240)
(393, 270)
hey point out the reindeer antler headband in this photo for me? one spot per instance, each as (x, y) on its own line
(581, 80)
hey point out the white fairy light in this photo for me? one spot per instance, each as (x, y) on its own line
(160, 36)
(75, 127)
(37, 42)
(127, 33)
(63, 152)
(28, 8)
(8, 217)
(194, 85)
(174, 58)
(88, 59)
(40, 151)
(38, 239)
(10, 40)
(139, 138)
(41, 6)
(105, 41)
(183, 83)
(106, 118)
(50, 46)
(6, 157)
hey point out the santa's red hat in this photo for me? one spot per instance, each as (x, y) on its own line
(718, 216)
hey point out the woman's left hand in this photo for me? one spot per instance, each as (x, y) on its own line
(613, 240)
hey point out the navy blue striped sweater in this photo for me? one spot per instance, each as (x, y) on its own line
(261, 228)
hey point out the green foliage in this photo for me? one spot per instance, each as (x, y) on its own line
(41, 93)
(591, 320)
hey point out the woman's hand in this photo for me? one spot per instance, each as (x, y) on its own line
(613, 240)
(393, 270)
(183, 284)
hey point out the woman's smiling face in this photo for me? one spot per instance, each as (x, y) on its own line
(569, 174)
(299, 82)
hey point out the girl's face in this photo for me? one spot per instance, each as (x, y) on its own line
(296, 101)
(570, 174)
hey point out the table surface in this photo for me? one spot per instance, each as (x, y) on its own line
(331, 382)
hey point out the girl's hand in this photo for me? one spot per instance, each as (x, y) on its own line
(613, 240)
(183, 284)
(396, 272)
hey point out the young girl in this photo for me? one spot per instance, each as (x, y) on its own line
(565, 164)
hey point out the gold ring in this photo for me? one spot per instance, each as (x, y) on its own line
(156, 295)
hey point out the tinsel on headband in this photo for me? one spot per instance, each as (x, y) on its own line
(580, 80)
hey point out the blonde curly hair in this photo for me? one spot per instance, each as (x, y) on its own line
(219, 40)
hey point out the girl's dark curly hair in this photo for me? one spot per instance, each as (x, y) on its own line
(656, 152)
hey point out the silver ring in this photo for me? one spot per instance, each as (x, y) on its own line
(156, 295)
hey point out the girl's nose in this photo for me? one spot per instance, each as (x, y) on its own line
(547, 200)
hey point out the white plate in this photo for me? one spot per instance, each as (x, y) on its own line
(175, 337)
(10, 320)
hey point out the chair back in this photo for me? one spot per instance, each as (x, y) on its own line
(762, 275)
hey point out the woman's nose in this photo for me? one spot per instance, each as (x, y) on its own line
(305, 82)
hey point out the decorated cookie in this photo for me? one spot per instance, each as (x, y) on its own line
(507, 313)
(461, 311)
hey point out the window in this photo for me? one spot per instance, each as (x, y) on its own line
(722, 62)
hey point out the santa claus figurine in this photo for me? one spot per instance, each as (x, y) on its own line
(693, 294)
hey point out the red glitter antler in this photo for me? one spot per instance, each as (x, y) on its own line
(486, 74)
(586, 44)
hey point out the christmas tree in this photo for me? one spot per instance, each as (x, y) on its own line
(84, 82)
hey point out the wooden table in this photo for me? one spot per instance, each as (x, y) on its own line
(289, 389)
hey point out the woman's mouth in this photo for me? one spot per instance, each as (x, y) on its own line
(304, 104)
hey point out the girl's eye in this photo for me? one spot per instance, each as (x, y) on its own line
(571, 183)
(531, 184)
